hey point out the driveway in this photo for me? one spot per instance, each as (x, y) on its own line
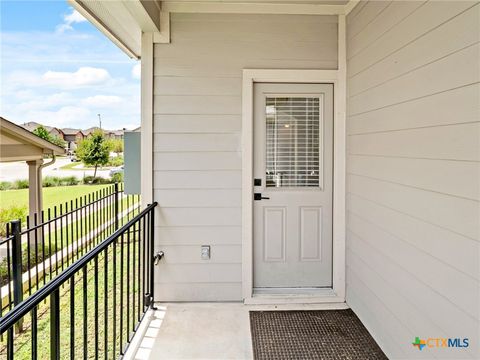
(19, 170)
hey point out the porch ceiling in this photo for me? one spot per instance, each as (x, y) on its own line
(123, 22)
(315, 2)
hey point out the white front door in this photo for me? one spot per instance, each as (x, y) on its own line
(293, 171)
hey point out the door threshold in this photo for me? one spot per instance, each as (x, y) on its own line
(297, 291)
(277, 296)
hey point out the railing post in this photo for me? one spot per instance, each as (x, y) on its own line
(17, 265)
(55, 325)
(116, 205)
(152, 256)
(17, 262)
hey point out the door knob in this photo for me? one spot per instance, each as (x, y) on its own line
(258, 196)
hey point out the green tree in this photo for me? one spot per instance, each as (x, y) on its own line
(57, 141)
(94, 151)
(43, 133)
(116, 146)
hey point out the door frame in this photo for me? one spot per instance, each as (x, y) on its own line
(335, 77)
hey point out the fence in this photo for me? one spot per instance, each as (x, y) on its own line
(94, 306)
(55, 238)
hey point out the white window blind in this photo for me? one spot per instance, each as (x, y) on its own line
(292, 141)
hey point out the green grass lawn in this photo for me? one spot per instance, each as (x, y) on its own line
(131, 306)
(51, 196)
(72, 166)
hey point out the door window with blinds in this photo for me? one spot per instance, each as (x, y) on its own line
(294, 141)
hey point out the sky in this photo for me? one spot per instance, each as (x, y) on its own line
(58, 70)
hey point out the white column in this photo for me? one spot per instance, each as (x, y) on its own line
(146, 135)
(34, 188)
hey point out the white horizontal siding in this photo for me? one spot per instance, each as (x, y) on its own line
(448, 142)
(198, 197)
(198, 235)
(197, 161)
(413, 173)
(421, 82)
(425, 19)
(423, 174)
(197, 144)
(206, 291)
(188, 254)
(455, 106)
(198, 216)
(195, 123)
(200, 179)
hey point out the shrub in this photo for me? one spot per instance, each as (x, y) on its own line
(36, 257)
(99, 181)
(50, 181)
(87, 179)
(118, 177)
(95, 181)
(70, 180)
(5, 185)
(20, 184)
(11, 213)
(115, 161)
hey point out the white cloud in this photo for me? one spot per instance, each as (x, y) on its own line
(84, 76)
(101, 101)
(137, 71)
(37, 101)
(70, 19)
(66, 116)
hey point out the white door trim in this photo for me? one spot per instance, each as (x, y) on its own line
(337, 78)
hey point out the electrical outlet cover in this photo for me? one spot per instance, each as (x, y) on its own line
(205, 254)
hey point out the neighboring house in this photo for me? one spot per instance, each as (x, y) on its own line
(88, 132)
(17, 143)
(117, 134)
(55, 132)
(72, 137)
(32, 125)
(109, 134)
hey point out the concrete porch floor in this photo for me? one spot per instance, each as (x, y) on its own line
(197, 331)
(202, 330)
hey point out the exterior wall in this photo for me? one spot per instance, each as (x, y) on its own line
(197, 120)
(56, 132)
(413, 173)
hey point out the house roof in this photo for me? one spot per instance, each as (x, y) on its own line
(117, 132)
(19, 144)
(70, 131)
(91, 129)
(32, 125)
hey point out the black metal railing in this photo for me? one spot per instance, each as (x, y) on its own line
(91, 309)
(57, 237)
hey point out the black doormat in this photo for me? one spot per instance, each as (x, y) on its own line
(326, 334)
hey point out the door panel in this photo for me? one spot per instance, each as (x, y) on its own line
(311, 234)
(274, 234)
(293, 170)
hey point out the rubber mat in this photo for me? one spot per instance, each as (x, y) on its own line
(326, 334)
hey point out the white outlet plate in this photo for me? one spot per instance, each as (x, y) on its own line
(205, 254)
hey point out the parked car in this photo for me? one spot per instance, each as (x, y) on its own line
(116, 170)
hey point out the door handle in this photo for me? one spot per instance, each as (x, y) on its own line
(258, 196)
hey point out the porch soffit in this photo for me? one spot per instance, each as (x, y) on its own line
(18, 144)
(124, 21)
